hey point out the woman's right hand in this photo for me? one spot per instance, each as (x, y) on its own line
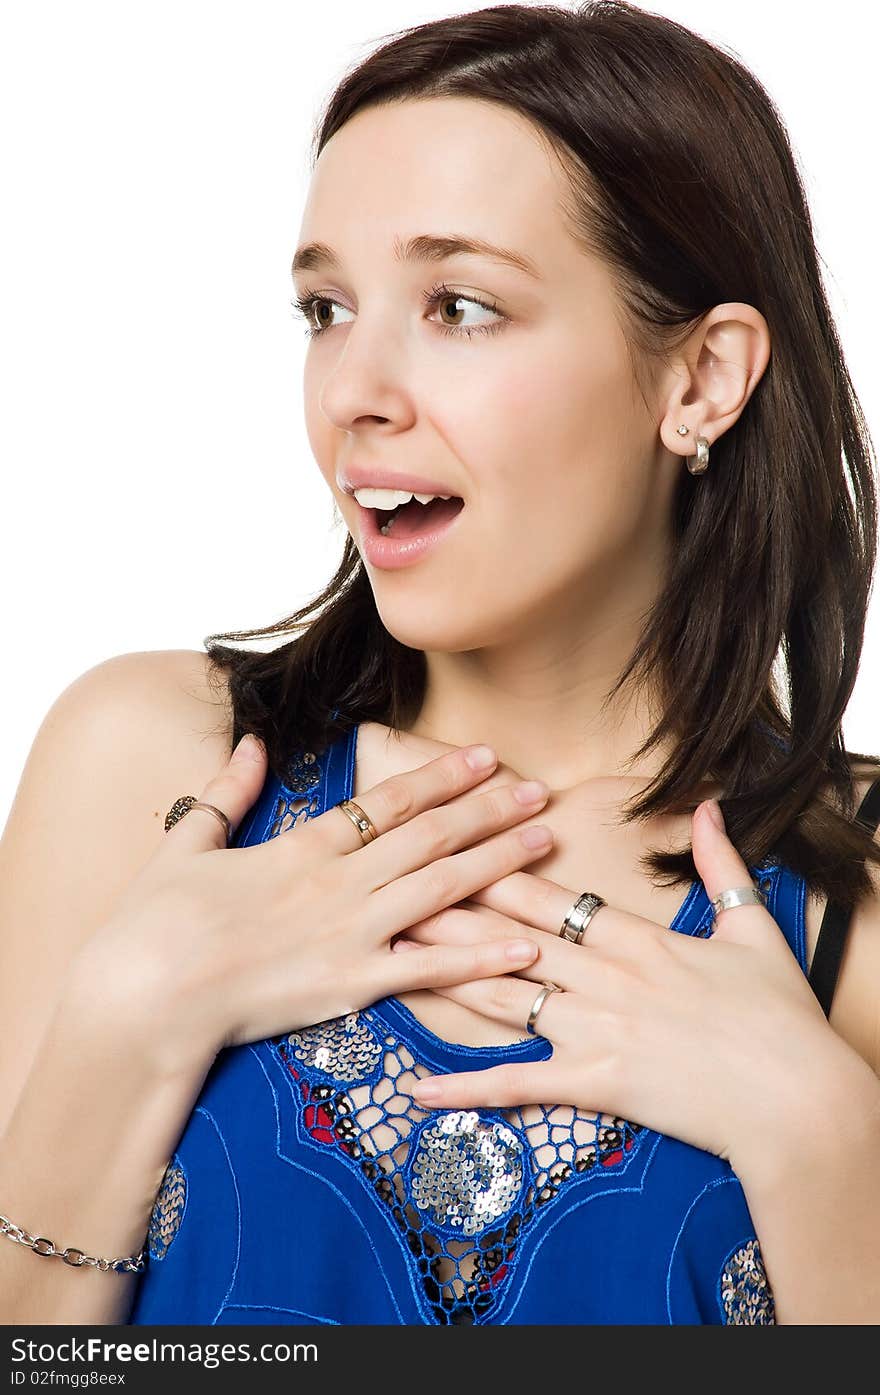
(223, 945)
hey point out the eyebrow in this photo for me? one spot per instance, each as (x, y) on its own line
(425, 247)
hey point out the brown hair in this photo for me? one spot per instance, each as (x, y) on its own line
(683, 180)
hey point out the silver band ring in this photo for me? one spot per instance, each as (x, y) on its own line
(737, 896)
(579, 916)
(539, 1002)
(364, 825)
(181, 807)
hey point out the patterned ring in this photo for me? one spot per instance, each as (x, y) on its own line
(364, 825)
(539, 1002)
(182, 806)
(737, 896)
(579, 916)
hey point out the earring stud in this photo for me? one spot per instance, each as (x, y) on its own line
(683, 430)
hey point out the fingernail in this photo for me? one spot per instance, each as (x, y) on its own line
(426, 1090)
(538, 836)
(400, 945)
(480, 757)
(713, 809)
(247, 748)
(520, 949)
(531, 791)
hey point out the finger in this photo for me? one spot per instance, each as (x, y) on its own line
(459, 925)
(510, 1000)
(529, 1082)
(544, 904)
(721, 868)
(438, 966)
(233, 790)
(565, 964)
(405, 796)
(451, 879)
(439, 833)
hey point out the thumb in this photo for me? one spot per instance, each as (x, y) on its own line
(233, 790)
(721, 869)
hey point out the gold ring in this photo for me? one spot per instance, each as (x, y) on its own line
(362, 823)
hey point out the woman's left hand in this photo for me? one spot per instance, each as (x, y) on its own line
(716, 1041)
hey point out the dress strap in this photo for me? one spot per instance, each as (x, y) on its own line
(834, 929)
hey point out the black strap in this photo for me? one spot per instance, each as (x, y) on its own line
(834, 929)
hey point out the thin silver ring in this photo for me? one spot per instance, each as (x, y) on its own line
(542, 997)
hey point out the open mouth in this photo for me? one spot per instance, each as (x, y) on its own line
(413, 519)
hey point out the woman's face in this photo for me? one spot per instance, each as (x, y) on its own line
(534, 418)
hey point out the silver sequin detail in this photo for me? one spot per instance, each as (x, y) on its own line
(345, 1048)
(746, 1296)
(467, 1171)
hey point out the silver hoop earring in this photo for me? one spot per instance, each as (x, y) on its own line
(699, 464)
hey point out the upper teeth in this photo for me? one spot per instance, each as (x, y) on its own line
(392, 498)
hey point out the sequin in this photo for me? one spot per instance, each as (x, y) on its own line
(302, 773)
(462, 1187)
(297, 798)
(168, 1210)
(345, 1048)
(465, 1197)
(467, 1171)
(746, 1296)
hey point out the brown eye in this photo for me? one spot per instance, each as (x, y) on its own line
(455, 304)
(318, 311)
(452, 300)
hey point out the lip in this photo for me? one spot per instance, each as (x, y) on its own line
(368, 477)
(390, 553)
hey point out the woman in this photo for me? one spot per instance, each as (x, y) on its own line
(629, 493)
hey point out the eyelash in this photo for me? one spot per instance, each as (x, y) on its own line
(303, 305)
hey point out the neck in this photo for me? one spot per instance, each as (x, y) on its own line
(540, 705)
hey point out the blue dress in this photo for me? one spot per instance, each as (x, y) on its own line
(308, 1187)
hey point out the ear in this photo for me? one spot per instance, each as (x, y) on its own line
(713, 376)
(721, 868)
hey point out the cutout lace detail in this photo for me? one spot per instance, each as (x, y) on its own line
(746, 1296)
(168, 1210)
(297, 798)
(463, 1187)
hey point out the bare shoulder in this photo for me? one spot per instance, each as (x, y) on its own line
(157, 722)
(180, 701)
(116, 748)
(133, 725)
(167, 688)
(855, 1007)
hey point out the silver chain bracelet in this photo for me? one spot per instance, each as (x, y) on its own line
(41, 1246)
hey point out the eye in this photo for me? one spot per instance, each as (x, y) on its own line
(443, 295)
(312, 307)
(307, 306)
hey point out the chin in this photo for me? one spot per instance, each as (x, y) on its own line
(440, 625)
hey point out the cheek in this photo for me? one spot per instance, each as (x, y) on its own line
(322, 437)
(549, 438)
(585, 413)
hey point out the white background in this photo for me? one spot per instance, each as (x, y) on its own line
(157, 481)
